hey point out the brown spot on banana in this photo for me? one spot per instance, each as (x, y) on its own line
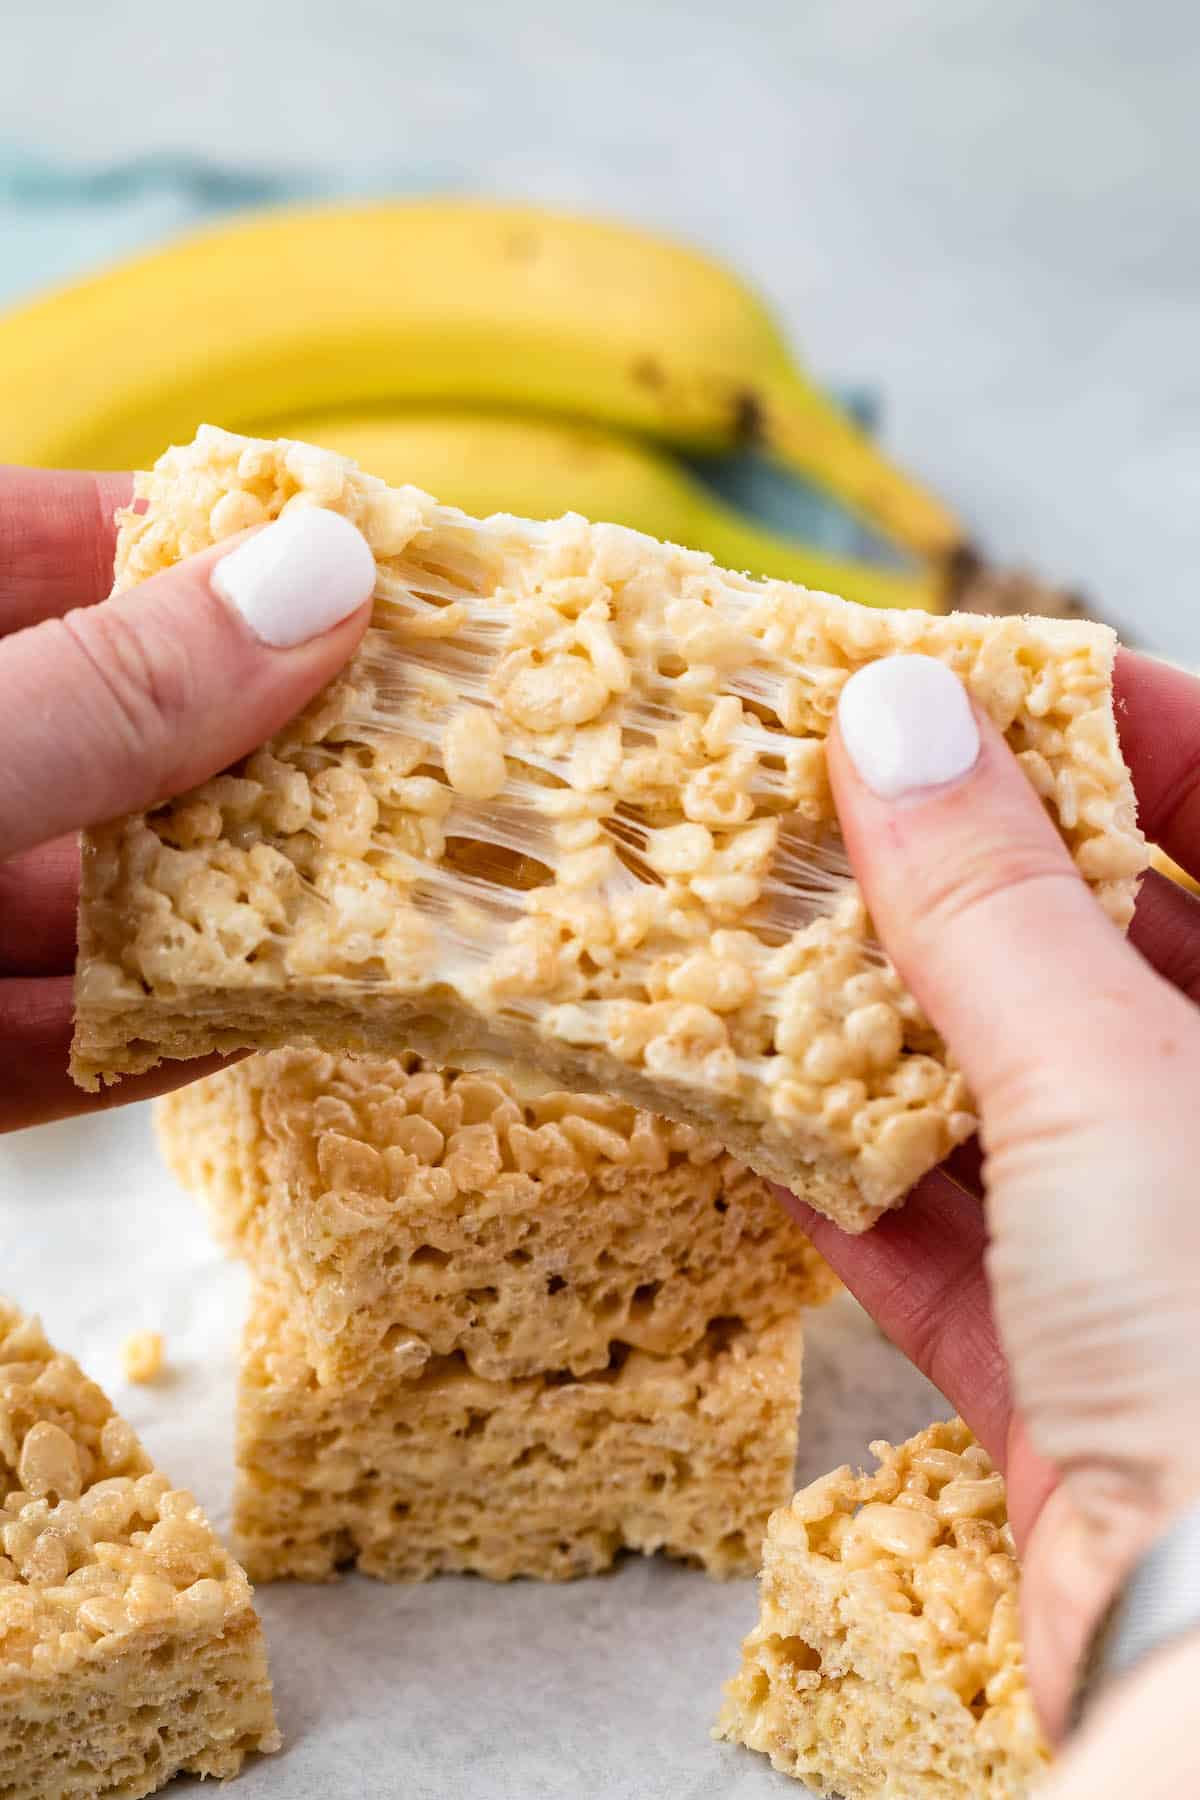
(521, 246)
(749, 417)
(647, 372)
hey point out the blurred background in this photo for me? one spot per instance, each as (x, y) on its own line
(977, 223)
(979, 220)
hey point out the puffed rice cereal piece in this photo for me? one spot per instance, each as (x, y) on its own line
(887, 1658)
(142, 1356)
(129, 1647)
(567, 808)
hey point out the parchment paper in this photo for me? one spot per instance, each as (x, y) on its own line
(602, 1689)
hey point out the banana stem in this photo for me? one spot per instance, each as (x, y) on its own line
(812, 435)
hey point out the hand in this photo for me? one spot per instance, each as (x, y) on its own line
(109, 706)
(1064, 1329)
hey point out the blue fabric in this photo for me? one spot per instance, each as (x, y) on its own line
(62, 221)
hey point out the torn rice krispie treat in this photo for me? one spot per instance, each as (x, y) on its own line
(568, 808)
(129, 1648)
(384, 1198)
(887, 1659)
(423, 1466)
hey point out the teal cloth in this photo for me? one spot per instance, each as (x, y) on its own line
(61, 221)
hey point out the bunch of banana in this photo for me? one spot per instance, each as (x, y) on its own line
(489, 462)
(433, 305)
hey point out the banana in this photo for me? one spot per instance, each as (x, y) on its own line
(541, 467)
(432, 301)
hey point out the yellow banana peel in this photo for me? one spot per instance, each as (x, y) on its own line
(542, 467)
(426, 303)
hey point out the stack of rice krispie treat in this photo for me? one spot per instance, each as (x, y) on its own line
(129, 1648)
(490, 1333)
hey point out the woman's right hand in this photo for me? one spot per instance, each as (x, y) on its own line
(1065, 1331)
(109, 706)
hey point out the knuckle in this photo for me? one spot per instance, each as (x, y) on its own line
(1166, 929)
(965, 886)
(1177, 814)
(141, 677)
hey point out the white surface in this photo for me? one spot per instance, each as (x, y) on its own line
(989, 209)
(458, 1689)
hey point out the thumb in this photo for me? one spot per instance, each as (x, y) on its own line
(115, 707)
(1082, 1060)
(972, 891)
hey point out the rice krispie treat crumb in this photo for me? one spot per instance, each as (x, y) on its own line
(142, 1356)
(568, 808)
(887, 1659)
(129, 1647)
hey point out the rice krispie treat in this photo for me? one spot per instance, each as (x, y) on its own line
(568, 808)
(423, 1466)
(129, 1648)
(887, 1658)
(383, 1198)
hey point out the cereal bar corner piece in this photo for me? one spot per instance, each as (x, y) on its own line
(887, 1658)
(129, 1647)
(568, 809)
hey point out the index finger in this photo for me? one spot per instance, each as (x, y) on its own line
(920, 1274)
(1158, 718)
(36, 1022)
(57, 540)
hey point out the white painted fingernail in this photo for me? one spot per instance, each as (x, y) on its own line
(298, 576)
(907, 724)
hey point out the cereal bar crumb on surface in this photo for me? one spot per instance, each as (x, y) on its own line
(887, 1659)
(568, 808)
(142, 1356)
(382, 1197)
(425, 1467)
(129, 1647)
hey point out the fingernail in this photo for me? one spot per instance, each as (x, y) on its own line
(298, 576)
(907, 724)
